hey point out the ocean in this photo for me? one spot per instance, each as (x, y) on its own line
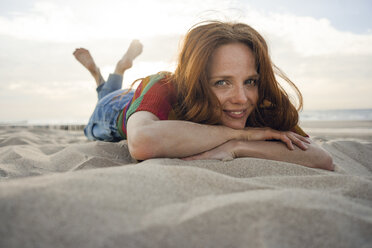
(337, 115)
(346, 124)
(307, 115)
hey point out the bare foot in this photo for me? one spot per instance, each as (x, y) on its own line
(83, 56)
(126, 62)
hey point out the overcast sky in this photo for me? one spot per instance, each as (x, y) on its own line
(325, 47)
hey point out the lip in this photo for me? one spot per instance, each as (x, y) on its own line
(235, 114)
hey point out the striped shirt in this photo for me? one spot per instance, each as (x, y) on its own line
(155, 94)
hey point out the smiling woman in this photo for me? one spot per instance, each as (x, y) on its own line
(222, 102)
(233, 79)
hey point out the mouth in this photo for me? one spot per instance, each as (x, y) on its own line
(235, 114)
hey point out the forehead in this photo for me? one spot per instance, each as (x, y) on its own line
(232, 58)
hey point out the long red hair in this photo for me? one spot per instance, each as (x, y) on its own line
(197, 102)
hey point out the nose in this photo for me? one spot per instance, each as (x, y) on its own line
(240, 95)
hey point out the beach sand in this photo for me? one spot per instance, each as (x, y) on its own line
(58, 189)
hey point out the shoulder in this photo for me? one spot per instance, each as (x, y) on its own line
(162, 77)
(155, 94)
(159, 83)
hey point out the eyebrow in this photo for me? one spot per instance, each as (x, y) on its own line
(254, 76)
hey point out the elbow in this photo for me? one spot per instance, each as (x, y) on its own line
(325, 162)
(319, 158)
(138, 153)
(141, 146)
(329, 163)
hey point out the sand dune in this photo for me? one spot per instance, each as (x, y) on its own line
(59, 190)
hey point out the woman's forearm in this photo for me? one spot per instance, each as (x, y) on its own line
(148, 137)
(153, 138)
(314, 156)
(182, 138)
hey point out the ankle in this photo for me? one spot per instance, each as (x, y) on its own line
(122, 66)
(119, 72)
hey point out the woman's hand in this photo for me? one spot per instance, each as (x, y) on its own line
(228, 150)
(222, 152)
(314, 156)
(287, 137)
(148, 137)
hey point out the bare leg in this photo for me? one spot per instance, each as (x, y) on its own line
(126, 61)
(83, 56)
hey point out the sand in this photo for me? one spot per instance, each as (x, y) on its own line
(59, 190)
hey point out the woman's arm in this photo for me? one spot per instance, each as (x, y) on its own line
(149, 137)
(314, 156)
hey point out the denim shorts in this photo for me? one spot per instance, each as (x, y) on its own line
(102, 124)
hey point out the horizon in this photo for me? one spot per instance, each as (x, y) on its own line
(305, 115)
(323, 47)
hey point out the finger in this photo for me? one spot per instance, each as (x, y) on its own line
(297, 139)
(302, 138)
(269, 133)
(284, 138)
(305, 139)
(299, 143)
(290, 144)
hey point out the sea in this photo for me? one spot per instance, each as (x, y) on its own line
(337, 115)
(354, 124)
(306, 115)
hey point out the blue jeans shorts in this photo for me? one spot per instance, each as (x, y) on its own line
(102, 124)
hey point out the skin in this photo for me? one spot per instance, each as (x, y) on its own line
(233, 79)
(164, 139)
(313, 156)
(229, 140)
(85, 58)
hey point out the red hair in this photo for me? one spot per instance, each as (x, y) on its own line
(197, 102)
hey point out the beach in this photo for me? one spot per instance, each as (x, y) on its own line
(328, 130)
(57, 189)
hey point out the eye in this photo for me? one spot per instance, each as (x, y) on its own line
(221, 83)
(251, 82)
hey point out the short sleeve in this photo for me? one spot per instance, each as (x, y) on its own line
(155, 94)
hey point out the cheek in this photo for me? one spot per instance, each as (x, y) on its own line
(221, 97)
(253, 96)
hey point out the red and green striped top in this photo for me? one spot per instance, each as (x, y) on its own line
(155, 94)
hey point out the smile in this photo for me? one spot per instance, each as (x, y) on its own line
(236, 114)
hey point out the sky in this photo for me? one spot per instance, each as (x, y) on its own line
(324, 47)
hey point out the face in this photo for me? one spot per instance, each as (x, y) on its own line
(233, 78)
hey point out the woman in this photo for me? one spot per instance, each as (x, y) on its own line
(222, 102)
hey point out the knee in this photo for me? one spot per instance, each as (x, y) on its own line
(102, 133)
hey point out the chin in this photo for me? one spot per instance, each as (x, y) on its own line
(234, 125)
